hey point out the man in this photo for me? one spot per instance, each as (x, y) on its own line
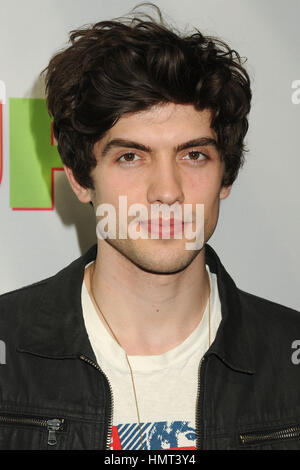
(145, 342)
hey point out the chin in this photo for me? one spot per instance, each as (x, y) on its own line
(157, 260)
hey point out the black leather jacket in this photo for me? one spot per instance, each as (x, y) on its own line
(53, 395)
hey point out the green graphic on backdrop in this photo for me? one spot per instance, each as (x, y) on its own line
(31, 154)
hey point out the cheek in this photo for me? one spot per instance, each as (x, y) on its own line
(107, 186)
(109, 189)
(206, 181)
(204, 191)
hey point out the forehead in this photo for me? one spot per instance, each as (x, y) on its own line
(166, 121)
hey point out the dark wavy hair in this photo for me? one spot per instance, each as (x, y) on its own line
(132, 63)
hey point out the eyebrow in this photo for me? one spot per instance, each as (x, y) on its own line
(200, 142)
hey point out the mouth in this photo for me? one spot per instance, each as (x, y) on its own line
(164, 227)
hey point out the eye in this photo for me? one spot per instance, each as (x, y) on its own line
(128, 158)
(196, 156)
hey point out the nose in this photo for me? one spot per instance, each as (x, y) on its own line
(165, 185)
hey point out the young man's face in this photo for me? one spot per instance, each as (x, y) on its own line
(150, 169)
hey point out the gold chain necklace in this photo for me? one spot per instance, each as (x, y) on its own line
(114, 336)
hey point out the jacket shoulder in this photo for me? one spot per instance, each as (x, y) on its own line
(14, 304)
(22, 291)
(268, 315)
(30, 298)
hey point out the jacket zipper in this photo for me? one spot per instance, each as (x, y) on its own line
(198, 446)
(279, 434)
(109, 428)
(52, 425)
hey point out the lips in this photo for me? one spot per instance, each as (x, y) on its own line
(166, 227)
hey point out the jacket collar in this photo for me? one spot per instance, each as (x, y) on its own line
(232, 341)
(55, 328)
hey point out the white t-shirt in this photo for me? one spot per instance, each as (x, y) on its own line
(166, 384)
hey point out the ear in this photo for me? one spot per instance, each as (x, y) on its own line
(83, 194)
(225, 191)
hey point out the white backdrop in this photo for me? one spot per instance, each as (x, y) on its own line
(257, 237)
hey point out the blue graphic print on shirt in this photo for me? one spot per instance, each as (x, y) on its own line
(155, 436)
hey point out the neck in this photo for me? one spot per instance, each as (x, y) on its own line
(148, 313)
